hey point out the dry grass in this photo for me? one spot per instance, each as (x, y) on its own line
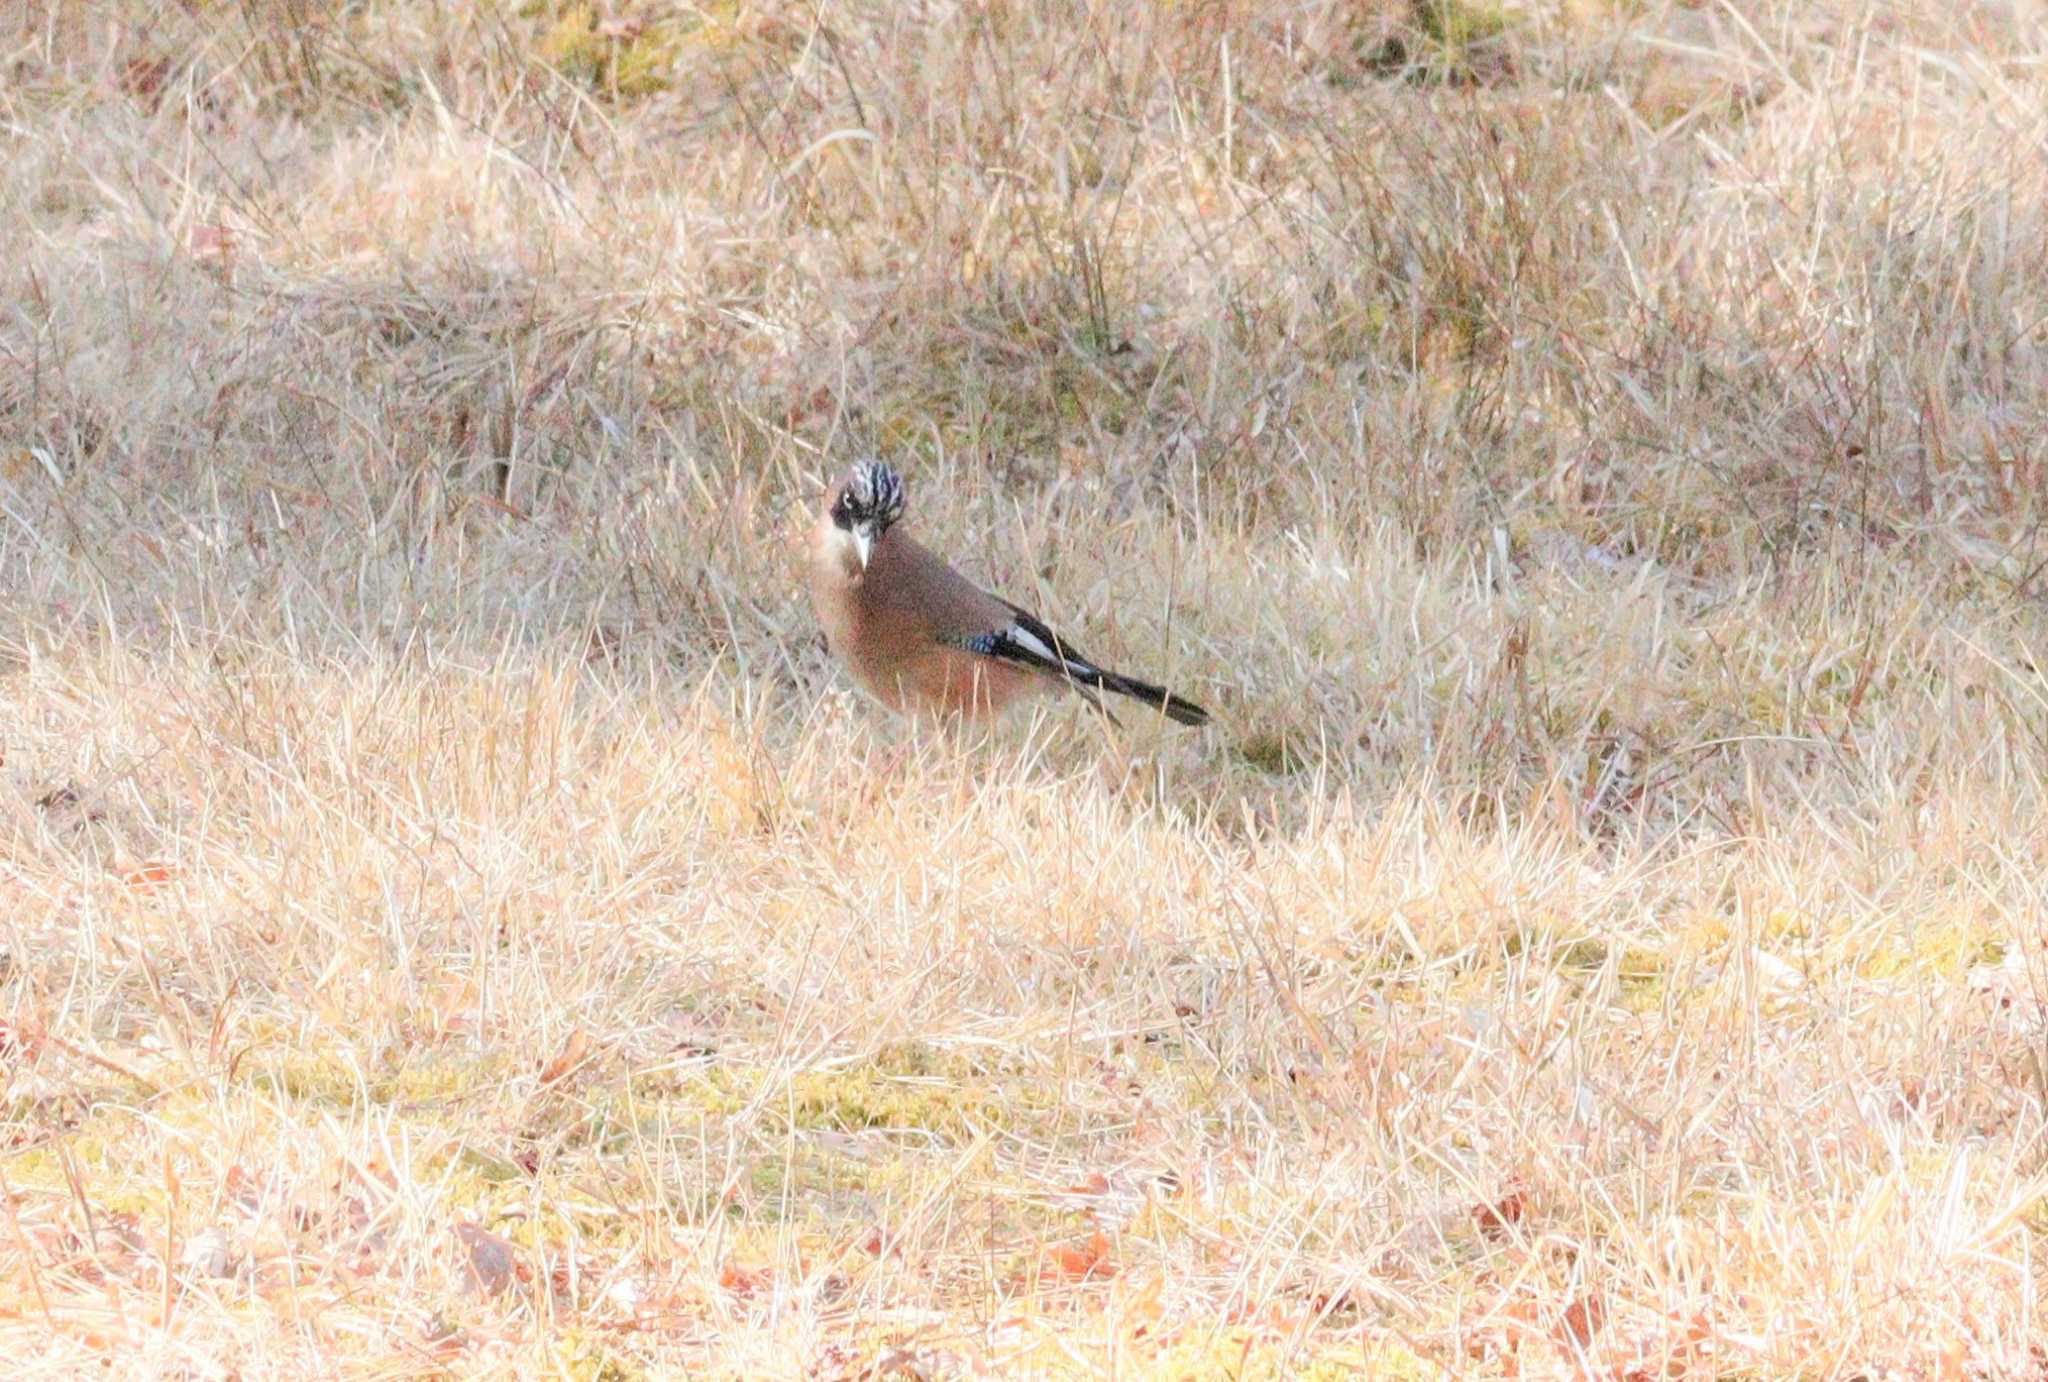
(1590, 454)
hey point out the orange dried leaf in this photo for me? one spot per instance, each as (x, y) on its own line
(1494, 1219)
(745, 1281)
(1140, 1309)
(572, 1054)
(1084, 1260)
(150, 876)
(1582, 1320)
(19, 1043)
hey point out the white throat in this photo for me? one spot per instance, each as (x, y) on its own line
(851, 548)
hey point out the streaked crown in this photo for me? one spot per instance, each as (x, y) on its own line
(871, 496)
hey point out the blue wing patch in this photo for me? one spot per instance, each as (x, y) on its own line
(983, 644)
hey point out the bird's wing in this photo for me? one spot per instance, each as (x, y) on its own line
(1025, 641)
(1022, 639)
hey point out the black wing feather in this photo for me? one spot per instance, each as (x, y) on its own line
(1068, 662)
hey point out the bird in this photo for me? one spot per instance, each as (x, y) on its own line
(926, 641)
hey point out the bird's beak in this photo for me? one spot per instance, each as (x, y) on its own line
(863, 543)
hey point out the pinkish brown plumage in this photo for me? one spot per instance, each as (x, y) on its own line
(922, 638)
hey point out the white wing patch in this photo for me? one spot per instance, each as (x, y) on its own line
(1031, 643)
(1036, 646)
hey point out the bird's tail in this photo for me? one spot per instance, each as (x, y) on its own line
(1032, 644)
(1177, 708)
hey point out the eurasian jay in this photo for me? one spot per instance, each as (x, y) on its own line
(921, 637)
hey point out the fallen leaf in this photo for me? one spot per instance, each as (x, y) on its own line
(1582, 1320)
(572, 1054)
(1084, 1260)
(1495, 1218)
(745, 1281)
(150, 876)
(243, 1188)
(1140, 1310)
(488, 1261)
(444, 1339)
(562, 1281)
(143, 78)
(876, 1243)
(18, 1044)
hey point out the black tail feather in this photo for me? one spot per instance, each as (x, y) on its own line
(1032, 644)
(1177, 708)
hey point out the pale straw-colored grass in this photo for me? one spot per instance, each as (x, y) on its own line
(1589, 455)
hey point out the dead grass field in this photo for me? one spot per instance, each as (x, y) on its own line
(1589, 454)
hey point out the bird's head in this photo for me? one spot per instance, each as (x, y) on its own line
(865, 504)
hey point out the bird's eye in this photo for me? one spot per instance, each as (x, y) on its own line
(842, 513)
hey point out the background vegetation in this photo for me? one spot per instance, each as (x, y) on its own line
(1589, 453)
